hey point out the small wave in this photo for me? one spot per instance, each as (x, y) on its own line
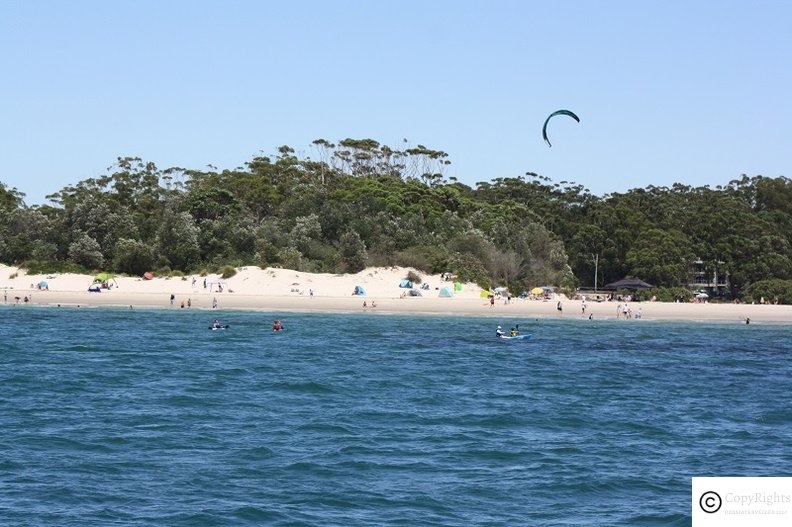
(304, 387)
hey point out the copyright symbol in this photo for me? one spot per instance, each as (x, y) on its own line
(710, 502)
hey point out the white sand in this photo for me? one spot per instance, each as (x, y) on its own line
(287, 290)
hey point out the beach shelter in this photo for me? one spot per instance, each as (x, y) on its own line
(484, 294)
(406, 284)
(537, 291)
(148, 276)
(415, 292)
(103, 277)
(457, 286)
(446, 292)
(42, 285)
(629, 283)
(359, 291)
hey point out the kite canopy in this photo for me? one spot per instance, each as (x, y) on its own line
(557, 112)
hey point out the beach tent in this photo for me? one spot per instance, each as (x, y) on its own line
(501, 289)
(457, 286)
(43, 284)
(359, 291)
(148, 276)
(629, 283)
(406, 284)
(445, 292)
(415, 292)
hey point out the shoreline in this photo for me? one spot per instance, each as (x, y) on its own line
(291, 291)
(572, 309)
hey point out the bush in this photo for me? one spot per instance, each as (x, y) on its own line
(227, 271)
(414, 277)
(86, 251)
(664, 294)
(48, 267)
(769, 290)
(132, 257)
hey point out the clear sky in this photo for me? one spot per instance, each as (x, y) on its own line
(667, 91)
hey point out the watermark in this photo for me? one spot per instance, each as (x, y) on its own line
(725, 502)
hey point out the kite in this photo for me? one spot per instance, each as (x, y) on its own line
(557, 112)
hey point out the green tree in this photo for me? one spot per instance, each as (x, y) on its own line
(353, 252)
(132, 257)
(661, 257)
(177, 240)
(86, 251)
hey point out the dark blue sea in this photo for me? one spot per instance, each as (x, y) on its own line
(147, 418)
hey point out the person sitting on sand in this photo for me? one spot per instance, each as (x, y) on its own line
(277, 326)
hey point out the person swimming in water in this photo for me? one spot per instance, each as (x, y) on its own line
(277, 326)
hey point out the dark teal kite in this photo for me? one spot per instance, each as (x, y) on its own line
(557, 112)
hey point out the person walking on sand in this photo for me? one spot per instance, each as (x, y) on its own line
(560, 308)
(214, 302)
(172, 299)
(492, 301)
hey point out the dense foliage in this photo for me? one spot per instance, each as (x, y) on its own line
(361, 203)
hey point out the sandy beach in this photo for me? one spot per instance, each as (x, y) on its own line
(287, 290)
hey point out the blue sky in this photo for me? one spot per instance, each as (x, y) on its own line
(672, 91)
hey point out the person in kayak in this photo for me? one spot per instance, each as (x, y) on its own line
(217, 324)
(499, 332)
(277, 326)
(513, 332)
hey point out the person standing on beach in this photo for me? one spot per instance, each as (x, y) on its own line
(189, 302)
(214, 302)
(560, 308)
(492, 301)
(172, 299)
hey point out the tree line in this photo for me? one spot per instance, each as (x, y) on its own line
(359, 203)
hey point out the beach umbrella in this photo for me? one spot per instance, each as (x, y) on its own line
(104, 277)
(628, 283)
(537, 291)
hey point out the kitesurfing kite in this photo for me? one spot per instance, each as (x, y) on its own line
(557, 112)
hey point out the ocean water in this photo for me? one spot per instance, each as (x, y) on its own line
(145, 417)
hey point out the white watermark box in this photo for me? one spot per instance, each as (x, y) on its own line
(726, 502)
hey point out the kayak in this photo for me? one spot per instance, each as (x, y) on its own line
(516, 337)
(220, 328)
